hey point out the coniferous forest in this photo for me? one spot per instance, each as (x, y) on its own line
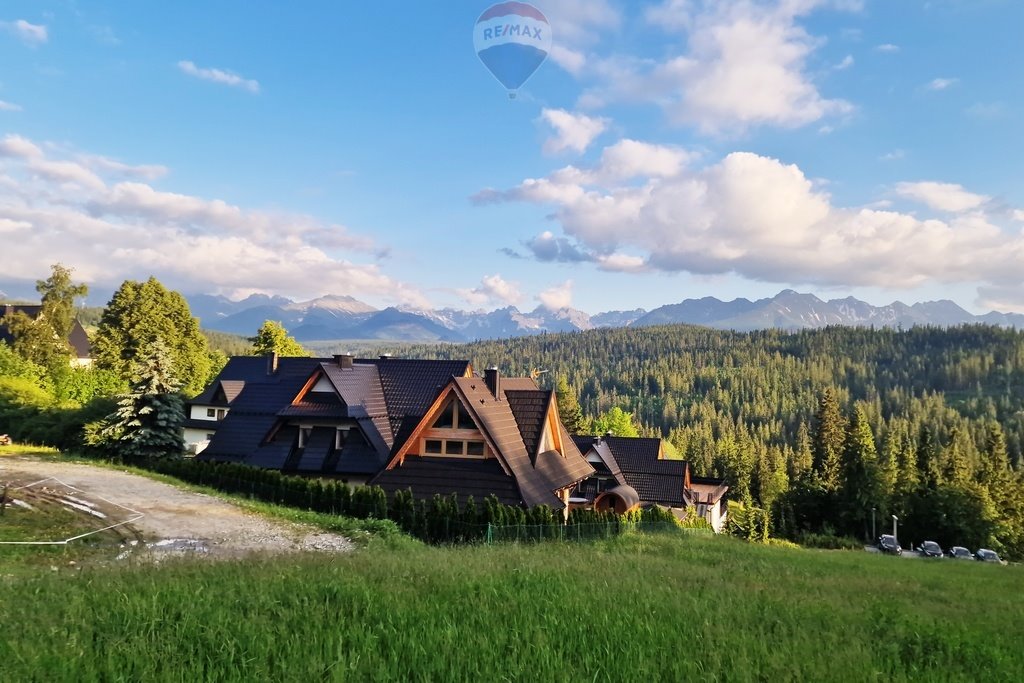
(823, 429)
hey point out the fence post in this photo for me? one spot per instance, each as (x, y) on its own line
(490, 534)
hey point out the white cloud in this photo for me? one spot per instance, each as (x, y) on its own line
(572, 131)
(571, 60)
(632, 158)
(895, 155)
(1018, 215)
(948, 197)
(557, 296)
(30, 34)
(221, 76)
(887, 47)
(20, 148)
(765, 220)
(493, 290)
(75, 211)
(942, 83)
(9, 106)
(141, 172)
(622, 263)
(745, 65)
(845, 64)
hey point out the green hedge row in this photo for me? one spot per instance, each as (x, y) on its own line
(438, 520)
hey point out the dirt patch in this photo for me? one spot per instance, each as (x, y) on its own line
(174, 521)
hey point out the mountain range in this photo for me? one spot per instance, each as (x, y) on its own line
(343, 317)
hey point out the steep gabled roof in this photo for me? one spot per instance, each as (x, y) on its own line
(410, 385)
(360, 388)
(530, 409)
(537, 477)
(655, 480)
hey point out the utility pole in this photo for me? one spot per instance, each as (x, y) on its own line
(894, 520)
(874, 536)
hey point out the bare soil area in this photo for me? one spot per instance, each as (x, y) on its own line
(173, 521)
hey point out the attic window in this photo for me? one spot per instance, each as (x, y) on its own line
(454, 416)
(454, 448)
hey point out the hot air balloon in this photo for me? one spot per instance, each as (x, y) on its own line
(512, 39)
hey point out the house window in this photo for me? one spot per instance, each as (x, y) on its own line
(339, 439)
(454, 447)
(210, 412)
(221, 414)
(454, 416)
(304, 433)
(209, 436)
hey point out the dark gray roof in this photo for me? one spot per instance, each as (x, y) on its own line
(262, 402)
(655, 480)
(319, 446)
(461, 476)
(360, 389)
(410, 385)
(530, 408)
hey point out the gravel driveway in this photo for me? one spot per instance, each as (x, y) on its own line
(176, 521)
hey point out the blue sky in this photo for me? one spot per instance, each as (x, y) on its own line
(665, 150)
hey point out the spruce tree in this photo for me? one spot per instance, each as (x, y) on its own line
(569, 407)
(148, 420)
(927, 457)
(803, 456)
(863, 484)
(827, 441)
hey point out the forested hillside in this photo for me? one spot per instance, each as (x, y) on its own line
(817, 426)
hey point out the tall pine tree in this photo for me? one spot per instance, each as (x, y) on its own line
(827, 441)
(569, 407)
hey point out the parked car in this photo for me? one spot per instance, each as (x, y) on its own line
(958, 552)
(985, 555)
(887, 543)
(930, 549)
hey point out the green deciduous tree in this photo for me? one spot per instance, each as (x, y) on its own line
(44, 339)
(148, 420)
(617, 421)
(139, 314)
(272, 337)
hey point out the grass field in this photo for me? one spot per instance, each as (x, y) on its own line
(655, 607)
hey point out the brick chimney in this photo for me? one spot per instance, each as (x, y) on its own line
(344, 360)
(493, 380)
(272, 360)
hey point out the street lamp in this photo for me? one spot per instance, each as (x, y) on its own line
(874, 536)
(894, 520)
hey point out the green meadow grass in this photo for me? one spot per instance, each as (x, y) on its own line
(641, 607)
